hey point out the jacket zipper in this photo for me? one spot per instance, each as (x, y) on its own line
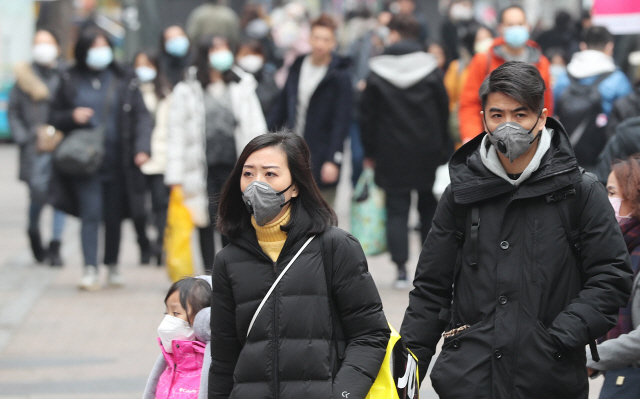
(275, 335)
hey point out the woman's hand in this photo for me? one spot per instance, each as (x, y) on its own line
(329, 173)
(81, 115)
(141, 158)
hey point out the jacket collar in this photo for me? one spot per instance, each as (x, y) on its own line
(533, 49)
(471, 181)
(300, 223)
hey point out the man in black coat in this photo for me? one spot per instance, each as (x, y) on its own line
(498, 270)
(624, 143)
(316, 103)
(403, 115)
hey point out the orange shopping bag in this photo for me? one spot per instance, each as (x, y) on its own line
(177, 239)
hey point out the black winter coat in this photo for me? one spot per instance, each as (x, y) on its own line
(404, 129)
(530, 314)
(328, 115)
(291, 351)
(135, 127)
(621, 145)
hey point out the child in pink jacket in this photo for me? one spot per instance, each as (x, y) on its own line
(183, 336)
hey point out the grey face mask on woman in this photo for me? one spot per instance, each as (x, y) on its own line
(512, 140)
(263, 202)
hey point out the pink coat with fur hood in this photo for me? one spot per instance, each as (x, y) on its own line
(181, 378)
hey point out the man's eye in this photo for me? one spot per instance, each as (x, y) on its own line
(176, 313)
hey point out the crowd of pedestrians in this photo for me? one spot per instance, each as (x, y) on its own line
(244, 119)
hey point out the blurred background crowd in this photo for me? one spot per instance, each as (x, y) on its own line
(179, 86)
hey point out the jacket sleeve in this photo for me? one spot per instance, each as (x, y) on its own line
(278, 114)
(249, 113)
(619, 352)
(470, 105)
(154, 377)
(61, 114)
(144, 123)
(342, 110)
(174, 173)
(362, 319)
(422, 327)
(606, 270)
(368, 110)
(225, 345)
(442, 100)
(19, 131)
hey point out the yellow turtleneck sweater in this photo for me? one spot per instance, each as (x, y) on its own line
(270, 237)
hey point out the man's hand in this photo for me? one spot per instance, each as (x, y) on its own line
(81, 115)
(141, 158)
(590, 371)
(368, 163)
(329, 173)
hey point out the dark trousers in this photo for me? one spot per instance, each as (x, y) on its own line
(216, 177)
(103, 200)
(398, 203)
(159, 204)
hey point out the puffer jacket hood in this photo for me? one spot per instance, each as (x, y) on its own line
(405, 70)
(590, 63)
(471, 181)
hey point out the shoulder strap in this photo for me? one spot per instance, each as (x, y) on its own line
(568, 201)
(275, 283)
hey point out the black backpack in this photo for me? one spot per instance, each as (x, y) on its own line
(579, 109)
(565, 200)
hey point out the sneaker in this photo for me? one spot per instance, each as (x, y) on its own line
(401, 282)
(114, 278)
(89, 281)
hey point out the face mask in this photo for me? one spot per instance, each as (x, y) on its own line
(146, 74)
(99, 58)
(177, 46)
(174, 328)
(512, 140)
(556, 70)
(44, 54)
(263, 202)
(461, 12)
(251, 63)
(483, 46)
(221, 60)
(616, 203)
(516, 36)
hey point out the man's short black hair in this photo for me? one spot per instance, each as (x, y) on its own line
(406, 25)
(520, 81)
(504, 10)
(597, 38)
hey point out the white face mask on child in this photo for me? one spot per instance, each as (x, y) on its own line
(174, 328)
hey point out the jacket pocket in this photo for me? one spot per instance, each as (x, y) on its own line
(544, 371)
(463, 368)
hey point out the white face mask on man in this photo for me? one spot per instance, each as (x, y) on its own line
(173, 328)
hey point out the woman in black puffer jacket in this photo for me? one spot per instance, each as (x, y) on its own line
(306, 342)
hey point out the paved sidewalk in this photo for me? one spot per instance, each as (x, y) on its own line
(57, 342)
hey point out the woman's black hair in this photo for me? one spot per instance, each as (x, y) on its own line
(161, 83)
(201, 62)
(519, 80)
(254, 46)
(233, 216)
(195, 295)
(85, 40)
(55, 37)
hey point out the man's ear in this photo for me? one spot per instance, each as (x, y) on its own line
(484, 122)
(543, 119)
(583, 46)
(608, 49)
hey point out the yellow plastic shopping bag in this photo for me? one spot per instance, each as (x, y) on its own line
(398, 375)
(177, 239)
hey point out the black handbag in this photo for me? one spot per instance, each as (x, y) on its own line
(82, 150)
(621, 384)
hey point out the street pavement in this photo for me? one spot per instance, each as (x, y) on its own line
(57, 342)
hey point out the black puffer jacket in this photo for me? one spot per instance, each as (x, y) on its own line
(529, 312)
(290, 353)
